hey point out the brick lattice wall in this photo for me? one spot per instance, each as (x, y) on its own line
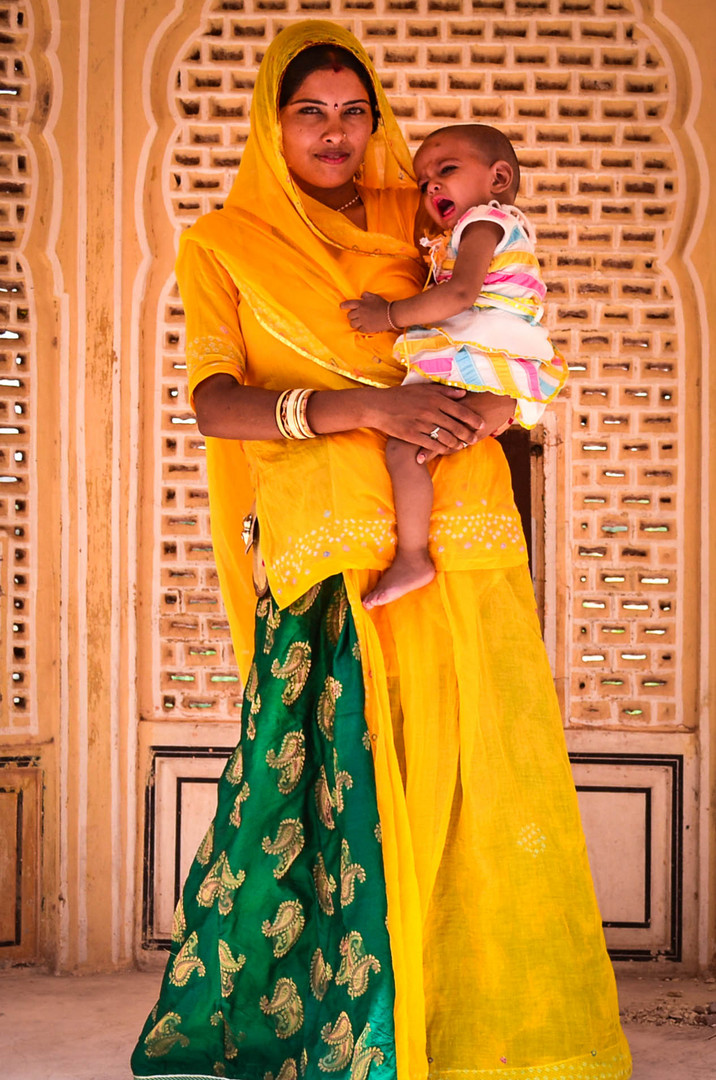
(16, 357)
(581, 89)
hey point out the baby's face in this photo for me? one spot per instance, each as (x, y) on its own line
(452, 176)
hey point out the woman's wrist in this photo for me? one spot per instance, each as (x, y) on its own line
(333, 411)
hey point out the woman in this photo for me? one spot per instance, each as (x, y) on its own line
(424, 908)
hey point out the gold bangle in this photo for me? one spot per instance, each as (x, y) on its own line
(306, 429)
(291, 414)
(391, 324)
(280, 414)
(291, 421)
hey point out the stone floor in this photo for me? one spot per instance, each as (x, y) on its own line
(83, 1028)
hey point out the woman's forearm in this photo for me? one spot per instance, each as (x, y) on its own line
(227, 410)
(429, 415)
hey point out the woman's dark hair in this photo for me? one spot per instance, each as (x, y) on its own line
(325, 58)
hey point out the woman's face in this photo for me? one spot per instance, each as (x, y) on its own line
(326, 125)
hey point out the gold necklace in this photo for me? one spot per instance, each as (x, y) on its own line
(353, 201)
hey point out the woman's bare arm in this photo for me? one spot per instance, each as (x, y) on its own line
(226, 409)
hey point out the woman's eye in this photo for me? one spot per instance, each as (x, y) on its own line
(356, 110)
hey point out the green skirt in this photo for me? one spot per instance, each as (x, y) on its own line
(280, 965)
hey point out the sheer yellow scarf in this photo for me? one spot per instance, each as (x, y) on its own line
(294, 260)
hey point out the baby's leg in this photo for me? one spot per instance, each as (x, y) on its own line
(413, 496)
(495, 409)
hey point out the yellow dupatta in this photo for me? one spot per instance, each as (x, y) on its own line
(269, 232)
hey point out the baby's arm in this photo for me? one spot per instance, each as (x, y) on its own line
(477, 246)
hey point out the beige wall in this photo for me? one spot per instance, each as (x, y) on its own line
(117, 597)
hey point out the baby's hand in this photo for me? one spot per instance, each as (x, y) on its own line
(369, 314)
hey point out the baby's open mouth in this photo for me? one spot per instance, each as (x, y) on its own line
(443, 206)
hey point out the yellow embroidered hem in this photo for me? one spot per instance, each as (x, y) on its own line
(611, 1064)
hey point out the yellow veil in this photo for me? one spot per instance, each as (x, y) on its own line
(270, 232)
(293, 261)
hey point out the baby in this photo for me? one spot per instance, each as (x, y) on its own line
(476, 326)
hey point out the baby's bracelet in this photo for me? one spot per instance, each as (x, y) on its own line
(391, 324)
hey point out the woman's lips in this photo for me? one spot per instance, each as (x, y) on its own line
(333, 159)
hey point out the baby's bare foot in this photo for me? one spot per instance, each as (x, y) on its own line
(407, 572)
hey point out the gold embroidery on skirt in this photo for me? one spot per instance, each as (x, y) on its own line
(327, 706)
(343, 780)
(325, 885)
(350, 872)
(321, 975)
(235, 769)
(294, 670)
(228, 967)
(231, 1047)
(285, 1006)
(164, 1036)
(273, 622)
(235, 815)
(339, 1038)
(364, 1056)
(220, 884)
(186, 961)
(305, 602)
(336, 615)
(324, 799)
(179, 922)
(206, 847)
(288, 1071)
(286, 927)
(290, 760)
(287, 845)
(356, 965)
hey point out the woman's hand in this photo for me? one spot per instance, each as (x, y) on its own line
(369, 314)
(495, 411)
(427, 414)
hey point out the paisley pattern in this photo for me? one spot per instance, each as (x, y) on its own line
(287, 845)
(179, 924)
(280, 965)
(206, 848)
(294, 670)
(285, 1006)
(290, 760)
(220, 884)
(286, 927)
(356, 965)
(321, 975)
(186, 962)
(241, 797)
(350, 873)
(324, 799)
(327, 706)
(339, 1037)
(228, 967)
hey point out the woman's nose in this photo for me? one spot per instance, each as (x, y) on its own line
(334, 129)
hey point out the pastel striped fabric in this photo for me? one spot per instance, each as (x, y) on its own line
(499, 343)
